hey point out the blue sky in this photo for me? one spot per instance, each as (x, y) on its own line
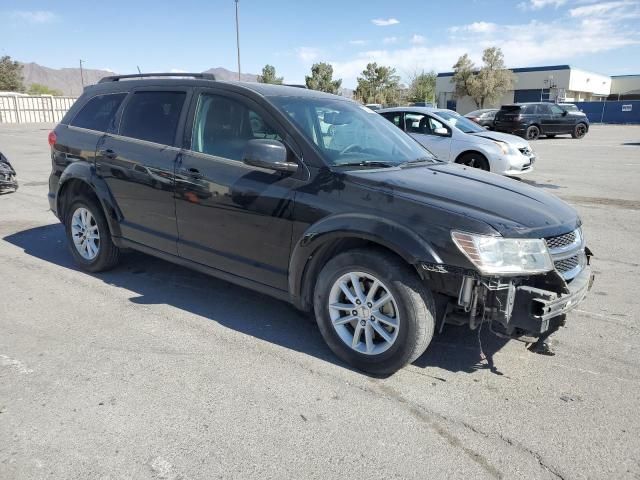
(291, 35)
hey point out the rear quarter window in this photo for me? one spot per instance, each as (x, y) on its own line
(153, 116)
(99, 113)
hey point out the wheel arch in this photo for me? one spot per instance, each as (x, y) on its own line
(323, 241)
(80, 179)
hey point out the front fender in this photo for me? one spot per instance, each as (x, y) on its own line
(86, 173)
(394, 236)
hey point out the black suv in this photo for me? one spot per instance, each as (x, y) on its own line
(531, 120)
(313, 199)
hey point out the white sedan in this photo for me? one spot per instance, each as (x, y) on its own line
(453, 138)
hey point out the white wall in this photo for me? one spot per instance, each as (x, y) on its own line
(623, 84)
(593, 83)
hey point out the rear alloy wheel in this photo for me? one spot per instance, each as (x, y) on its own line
(579, 131)
(373, 310)
(474, 160)
(532, 133)
(89, 237)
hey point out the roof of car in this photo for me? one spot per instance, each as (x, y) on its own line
(264, 89)
(414, 109)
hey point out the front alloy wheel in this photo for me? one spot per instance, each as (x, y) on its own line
(364, 313)
(85, 233)
(532, 133)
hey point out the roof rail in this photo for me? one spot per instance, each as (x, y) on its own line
(297, 85)
(117, 78)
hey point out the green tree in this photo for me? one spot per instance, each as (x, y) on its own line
(422, 87)
(322, 78)
(378, 84)
(269, 75)
(39, 89)
(10, 75)
(486, 85)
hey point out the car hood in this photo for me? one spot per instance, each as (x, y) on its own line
(511, 207)
(514, 140)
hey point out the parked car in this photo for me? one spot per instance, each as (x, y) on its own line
(374, 106)
(483, 117)
(370, 232)
(454, 138)
(8, 180)
(531, 120)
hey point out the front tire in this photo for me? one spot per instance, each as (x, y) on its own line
(474, 160)
(532, 133)
(88, 236)
(373, 311)
(579, 131)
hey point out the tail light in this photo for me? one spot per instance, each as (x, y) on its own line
(53, 138)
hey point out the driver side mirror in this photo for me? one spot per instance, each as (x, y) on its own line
(441, 131)
(269, 154)
(564, 113)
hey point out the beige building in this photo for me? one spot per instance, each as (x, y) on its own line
(560, 83)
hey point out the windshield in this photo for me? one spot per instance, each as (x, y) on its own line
(346, 133)
(460, 122)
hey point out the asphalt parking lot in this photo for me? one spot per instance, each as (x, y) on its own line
(154, 371)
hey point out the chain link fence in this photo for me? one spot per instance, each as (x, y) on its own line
(33, 109)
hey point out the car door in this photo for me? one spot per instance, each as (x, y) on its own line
(138, 165)
(548, 123)
(564, 122)
(426, 130)
(232, 216)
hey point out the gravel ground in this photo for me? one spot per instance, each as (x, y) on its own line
(154, 371)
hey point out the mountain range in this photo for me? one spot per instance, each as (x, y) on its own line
(70, 82)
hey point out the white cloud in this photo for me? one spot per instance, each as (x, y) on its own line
(417, 39)
(389, 40)
(307, 54)
(601, 8)
(385, 22)
(538, 4)
(34, 16)
(526, 44)
(177, 70)
(475, 27)
(357, 42)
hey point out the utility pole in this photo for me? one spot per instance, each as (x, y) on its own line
(81, 74)
(238, 39)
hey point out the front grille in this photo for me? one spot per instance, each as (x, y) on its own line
(567, 264)
(561, 240)
(525, 151)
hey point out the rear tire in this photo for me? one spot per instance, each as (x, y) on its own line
(579, 131)
(392, 324)
(474, 160)
(532, 133)
(89, 237)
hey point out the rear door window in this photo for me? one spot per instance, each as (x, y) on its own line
(395, 118)
(99, 113)
(153, 116)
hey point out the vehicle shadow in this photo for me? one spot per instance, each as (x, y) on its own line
(533, 183)
(156, 282)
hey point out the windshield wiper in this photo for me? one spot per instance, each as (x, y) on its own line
(366, 163)
(418, 161)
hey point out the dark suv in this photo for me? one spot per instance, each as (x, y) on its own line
(313, 199)
(531, 120)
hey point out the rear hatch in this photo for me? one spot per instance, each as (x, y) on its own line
(509, 113)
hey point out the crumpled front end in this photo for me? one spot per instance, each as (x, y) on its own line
(8, 180)
(522, 307)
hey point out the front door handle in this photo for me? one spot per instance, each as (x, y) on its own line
(108, 153)
(191, 172)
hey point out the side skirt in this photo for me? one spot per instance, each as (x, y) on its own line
(214, 272)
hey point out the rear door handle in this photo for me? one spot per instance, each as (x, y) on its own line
(108, 153)
(191, 172)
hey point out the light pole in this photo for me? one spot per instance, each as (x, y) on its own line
(81, 74)
(238, 39)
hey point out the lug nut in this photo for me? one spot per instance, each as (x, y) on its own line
(354, 312)
(358, 302)
(369, 304)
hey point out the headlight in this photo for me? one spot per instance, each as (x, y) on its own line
(504, 256)
(505, 147)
